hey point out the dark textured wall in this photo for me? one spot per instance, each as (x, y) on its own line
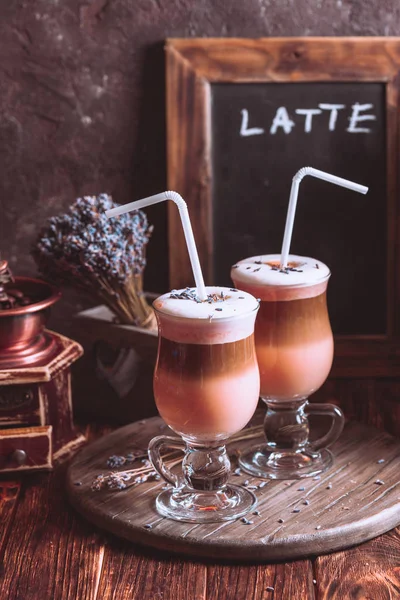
(82, 99)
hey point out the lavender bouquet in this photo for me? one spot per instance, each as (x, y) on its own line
(104, 257)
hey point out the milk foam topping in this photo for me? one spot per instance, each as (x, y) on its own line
(223, 302)
(262, 276)
(227, 316)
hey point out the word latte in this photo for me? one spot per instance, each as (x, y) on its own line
(325, 115)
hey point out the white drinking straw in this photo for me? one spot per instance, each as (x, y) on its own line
(187, 229)
(287, 237)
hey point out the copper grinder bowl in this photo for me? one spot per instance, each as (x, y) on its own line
(22, 328)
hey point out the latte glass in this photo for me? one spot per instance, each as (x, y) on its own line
(294, 344)
(206, 387)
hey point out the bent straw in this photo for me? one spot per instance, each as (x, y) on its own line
(187, 229)
(287, 237)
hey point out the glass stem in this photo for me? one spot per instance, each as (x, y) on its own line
(286, 426)
(206, 468)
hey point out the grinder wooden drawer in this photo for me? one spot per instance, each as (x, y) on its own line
(25, 449)
(19, 405)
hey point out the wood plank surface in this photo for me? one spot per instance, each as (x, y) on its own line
(367, 572)
(48, 552)
(9, 492)
(292, 581)
(357, 499)
(128, 572)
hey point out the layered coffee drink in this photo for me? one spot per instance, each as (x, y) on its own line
(206, 381)
(294, 341)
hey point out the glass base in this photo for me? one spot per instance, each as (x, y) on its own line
(260, 462)
(185, 504)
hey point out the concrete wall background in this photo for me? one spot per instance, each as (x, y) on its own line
(82, 100)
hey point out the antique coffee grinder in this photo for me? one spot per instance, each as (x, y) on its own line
(36, 428)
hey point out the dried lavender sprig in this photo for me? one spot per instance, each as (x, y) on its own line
(87, 240)
(105, 257)
(135, 476)
(124, 479)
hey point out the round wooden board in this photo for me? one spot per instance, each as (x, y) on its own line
(346, 505)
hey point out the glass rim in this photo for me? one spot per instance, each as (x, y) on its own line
(206, 319)
(303, 285)
(289, 286)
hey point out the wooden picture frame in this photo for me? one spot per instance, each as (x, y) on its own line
(193, 65)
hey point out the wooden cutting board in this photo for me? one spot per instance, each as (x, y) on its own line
(356, 500)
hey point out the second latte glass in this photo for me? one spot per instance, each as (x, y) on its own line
(294, 346)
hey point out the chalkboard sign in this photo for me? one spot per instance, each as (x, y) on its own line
(243, 117)
(256, 150)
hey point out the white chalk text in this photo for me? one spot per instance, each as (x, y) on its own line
(283, 123)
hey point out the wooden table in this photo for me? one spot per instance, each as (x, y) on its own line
(48, 552)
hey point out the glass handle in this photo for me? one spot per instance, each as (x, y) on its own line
(156, 446)
(336, 427)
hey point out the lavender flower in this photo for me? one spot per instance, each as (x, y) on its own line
(85, 241)
(85, 249)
